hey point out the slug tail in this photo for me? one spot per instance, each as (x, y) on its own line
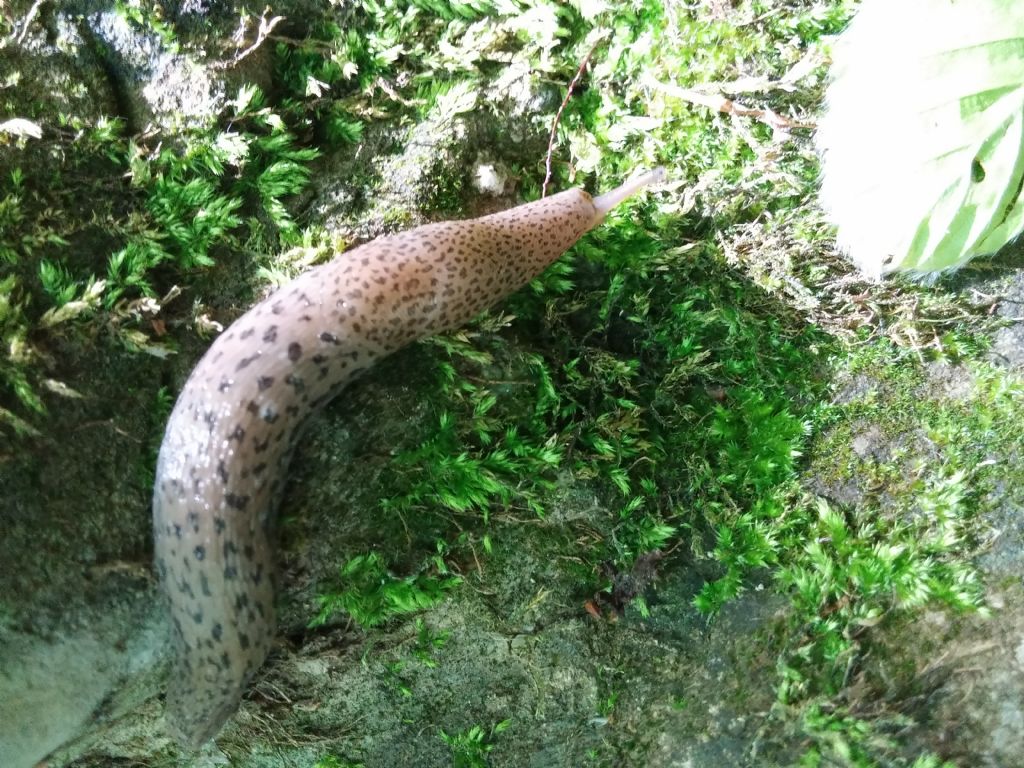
(604, 203)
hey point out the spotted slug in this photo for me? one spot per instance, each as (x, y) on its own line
(222, 463)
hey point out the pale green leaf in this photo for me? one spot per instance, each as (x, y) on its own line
(923, 141)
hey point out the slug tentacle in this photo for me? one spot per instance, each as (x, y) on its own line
(225, 451)
(604, 203)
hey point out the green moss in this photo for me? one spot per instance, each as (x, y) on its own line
(963, 416)
(181, 210)
(371, 596)
(913, 444)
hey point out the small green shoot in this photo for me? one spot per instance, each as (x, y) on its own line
(428, 643)
(370, 595)
(471, 747)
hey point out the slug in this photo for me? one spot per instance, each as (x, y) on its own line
(222, 463)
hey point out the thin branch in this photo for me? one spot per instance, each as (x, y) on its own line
(28, 21)
(265, 28)
(719, 103)
(558, 116)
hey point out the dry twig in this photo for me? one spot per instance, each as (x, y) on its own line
(27, 22)
(266, 27)
(718, 102)
(558, 116)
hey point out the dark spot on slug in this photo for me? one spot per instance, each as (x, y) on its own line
(245, 361)
(222, 471)
(270, 336)
(238, 434)
(243, 641)
(200, 552)
(217, 632)
(225, 384)
(247, 333)
(330, 338)
(219, 525)
(264, 383)
(294, 351)
(236, 501)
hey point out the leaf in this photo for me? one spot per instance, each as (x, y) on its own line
(21, 128)
(316, 87)
(923, 141)
(460, 98)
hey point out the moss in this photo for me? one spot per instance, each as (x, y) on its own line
(921, 419)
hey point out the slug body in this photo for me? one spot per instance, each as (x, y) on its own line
(221, 466)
